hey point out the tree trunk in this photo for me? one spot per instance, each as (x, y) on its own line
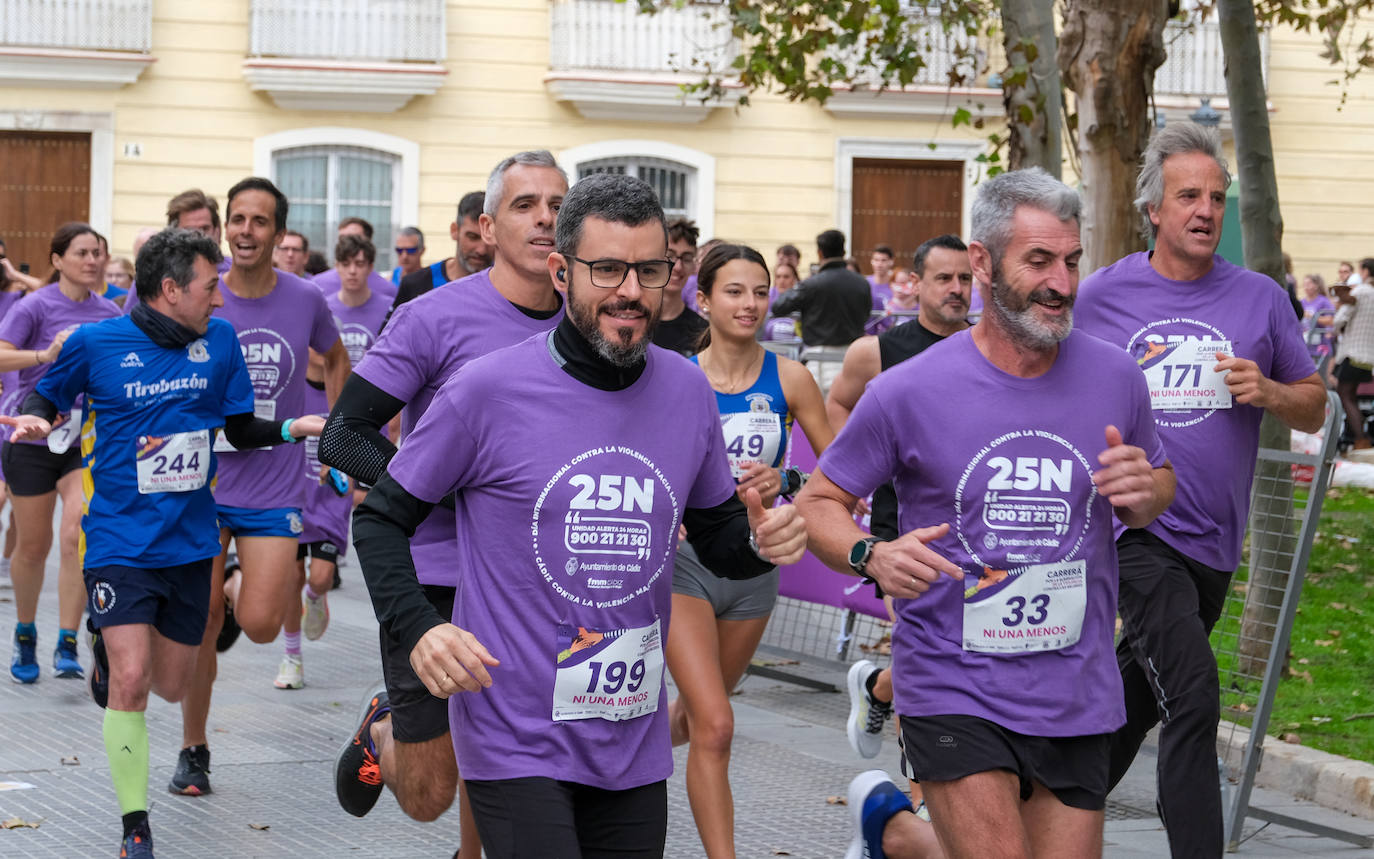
(1108, 53)
(1273, 533)
(1030, 87)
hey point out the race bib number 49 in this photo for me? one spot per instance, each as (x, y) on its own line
(179, 462)
(1181, 377)
(1034, 608)
(614, 675)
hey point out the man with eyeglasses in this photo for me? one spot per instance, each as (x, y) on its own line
(410, 247)
(559, 649)
(404, 733)
(291, 253)
(471, 255)
(679, 326)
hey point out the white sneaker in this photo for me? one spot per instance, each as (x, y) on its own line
(866, 713)
(315, 616)
(291, 673)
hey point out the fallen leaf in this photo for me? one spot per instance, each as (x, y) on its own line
(20, 823)
(1305, 676)
(1303, 661)
(781, 853)
(1294, 739)
(1334, 633)
(1323, 642)
(72, 761)
(1339, 606)
(836, 800)
(1320, 720)
(261, 827)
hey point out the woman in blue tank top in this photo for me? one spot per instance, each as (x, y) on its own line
(717, 623)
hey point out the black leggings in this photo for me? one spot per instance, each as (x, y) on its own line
(1168, 604)
(520, 818)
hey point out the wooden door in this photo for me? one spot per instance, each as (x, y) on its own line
(902, 203)
(47, 182)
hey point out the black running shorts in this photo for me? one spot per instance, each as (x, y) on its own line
(32, 469)
(416, 715)
(946, 748)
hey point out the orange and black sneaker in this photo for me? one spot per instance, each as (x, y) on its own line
(358, 774)
(138, 844)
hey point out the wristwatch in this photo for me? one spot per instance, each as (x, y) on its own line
(860, 554)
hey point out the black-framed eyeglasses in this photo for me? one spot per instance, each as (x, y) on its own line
(687, 259)
(611, 273)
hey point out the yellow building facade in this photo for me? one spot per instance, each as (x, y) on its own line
(393, 110)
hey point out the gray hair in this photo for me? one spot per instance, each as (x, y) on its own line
(171, 253)
(412, 231)
(612, 197)
(496, 181)
(999, 197)
(1176, 138)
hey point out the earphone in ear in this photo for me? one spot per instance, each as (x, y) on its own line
(560, 274)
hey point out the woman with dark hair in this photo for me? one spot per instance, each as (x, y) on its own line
(781, 327)
(759, 394)
(31, 337)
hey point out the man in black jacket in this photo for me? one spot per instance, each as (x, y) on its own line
(834, 303)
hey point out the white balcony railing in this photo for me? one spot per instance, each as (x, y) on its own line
(606, 36)
(84, 25)
(1196, 66)
(358, 30)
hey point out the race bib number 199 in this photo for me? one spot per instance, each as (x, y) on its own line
(1033, 608)
(613, 675)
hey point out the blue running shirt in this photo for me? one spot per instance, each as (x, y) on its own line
(151, 416)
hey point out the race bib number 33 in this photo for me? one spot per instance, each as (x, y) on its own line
(1034, 608)
(614, 675)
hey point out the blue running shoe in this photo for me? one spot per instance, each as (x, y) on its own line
(137, 844)
(65, 662)
(873, 800)
(24, 663)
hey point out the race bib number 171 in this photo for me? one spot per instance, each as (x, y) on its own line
(1182, 377)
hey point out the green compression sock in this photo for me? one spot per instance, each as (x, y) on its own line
(126, 745)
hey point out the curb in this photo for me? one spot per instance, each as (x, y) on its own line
(1326, 779)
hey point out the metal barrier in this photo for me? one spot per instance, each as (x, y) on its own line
(1251, 638)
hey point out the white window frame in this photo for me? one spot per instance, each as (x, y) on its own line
(407, 206)
(100, 208)
(701, 188)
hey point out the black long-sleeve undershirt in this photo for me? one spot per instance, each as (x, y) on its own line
(245, 431)
(388, 517)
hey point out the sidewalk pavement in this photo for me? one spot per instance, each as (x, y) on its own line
(274, 752)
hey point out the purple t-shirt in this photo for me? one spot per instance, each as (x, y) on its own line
(427, 340)
(328, 282)
(689, 293)
(34, 322)
(1213, 450)
(9, 382)
(326, 513)
(1025, 640)
(569, 502)
(274, 331)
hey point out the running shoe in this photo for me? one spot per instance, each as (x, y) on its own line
(137, 844)
(866, 713)
(291, 672)
(65, 662)
(193, 771)
(358, 775)
(315, 616)
(229, 632)
(24, 663)
(873, 800)
(100, 669)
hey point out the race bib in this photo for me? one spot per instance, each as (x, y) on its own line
(1182, 378)
(751, 437)
(1034, 608)
(613, 675)
(60, 440)
(265, 409)
(179, 462)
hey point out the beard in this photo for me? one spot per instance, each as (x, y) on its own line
(1018, 318)
(621, 350)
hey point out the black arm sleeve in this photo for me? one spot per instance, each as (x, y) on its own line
(720, 536)
(790, 301)
(352, 440)
(247, 431)
(382, 527)
(39, 406)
